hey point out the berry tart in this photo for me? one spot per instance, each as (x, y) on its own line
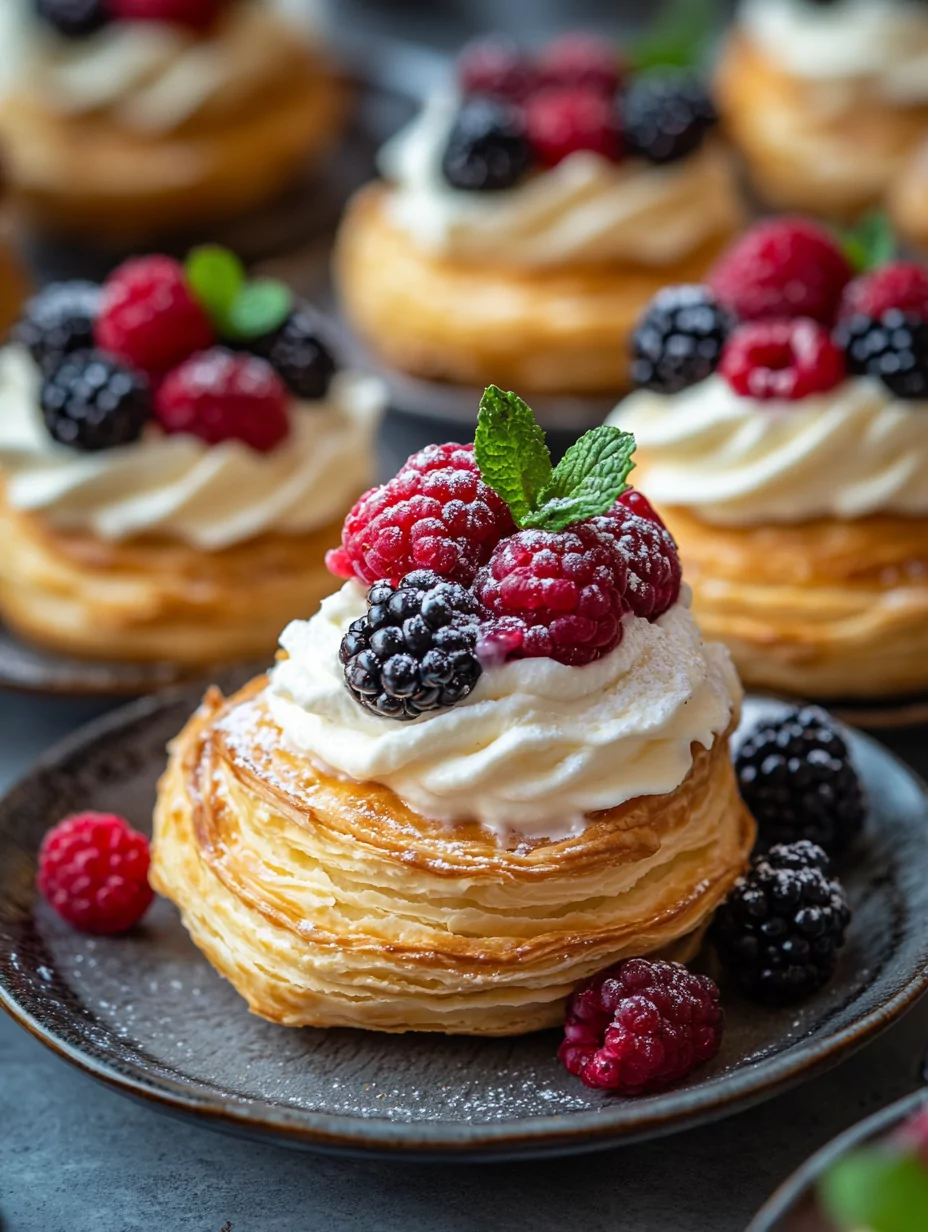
(177, 451)
(826, 100)
(782, 424)
(128, 118)
(494, 763)
(527, 215)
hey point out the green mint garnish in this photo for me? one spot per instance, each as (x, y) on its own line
(239, 309)
(258, 308)
(879, 1188)
(871, 243)
(215, 276)
(514, 461)
(682, 37)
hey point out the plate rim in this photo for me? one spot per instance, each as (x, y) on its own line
(533, 1137)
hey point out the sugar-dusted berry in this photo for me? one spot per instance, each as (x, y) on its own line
(786, 360)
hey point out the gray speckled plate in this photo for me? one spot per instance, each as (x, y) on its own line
(146, 1014)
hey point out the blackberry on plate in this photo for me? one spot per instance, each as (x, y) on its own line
(92, 402)
(59, 320)
(893, 347)
(680, 339)
(667, 117)
(796, 777)
(74, 18)
(781, 928)
(487, 149)
(298, 353)
(414, 651)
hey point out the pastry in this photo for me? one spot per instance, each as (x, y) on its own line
(162, 496)
(12, 286)
(783, 434)
(522, 223)
(493, 763)
(908, 203)
(827, 101)
(124, 128)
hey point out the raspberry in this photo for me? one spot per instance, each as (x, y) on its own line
(497, 69)
(561, 122)
(221, 396)
(580, 62)
(487, 149)
(902, 285)
(784, 267)
(93, 869)
(558, 594)
(782, 359)
(637, 502)
(437, 514)
(198, 14)
(648, 552)
(641, 1026)
(149, 316)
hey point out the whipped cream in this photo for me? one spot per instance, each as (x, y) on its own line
(210, 496)
(585, 209)
(847, 453)
(537, 746)
(883, 43)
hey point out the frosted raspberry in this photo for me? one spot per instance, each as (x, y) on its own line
(198, 14)
(93, 869)
(641, 1026)
(557, 595)
(902, 285)
(495, 68)
(149, 317)
(221, 396)
(437, 514)
(785, 268)
(580, 61)
(648, 552)
(636, 502)
(561, 122)
(782, 359)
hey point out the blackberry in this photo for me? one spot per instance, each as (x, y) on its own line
(893, 348)
(666, 117)
(59, 320)
(781, 927)
(74, 18)
(298, 354)
(680, 339)
(487, 149)
(92, 402)
(414, 651)
(796, 777)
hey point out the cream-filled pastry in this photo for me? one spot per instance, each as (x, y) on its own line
(526, 216)
(164, 497)
(122, 127)
(495, 762)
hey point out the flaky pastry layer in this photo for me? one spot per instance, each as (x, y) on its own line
(559, 330)
(909, 200)
(327, 902)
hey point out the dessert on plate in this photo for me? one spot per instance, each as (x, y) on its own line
(529, 212)
(177, 452)
(126, 118)
(827, 101)
(782, 429)
(493, 763)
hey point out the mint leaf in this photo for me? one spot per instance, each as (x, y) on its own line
(260, 307)
(215, 276)
(587, 481)
(871, 243)
(681, 37)
(876, 1187)
(510, 450)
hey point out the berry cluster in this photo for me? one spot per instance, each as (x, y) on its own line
(783, 317)
(76, 19)
(156, 345)
(520, 113)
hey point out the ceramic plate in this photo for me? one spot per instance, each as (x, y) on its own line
(147, 1015)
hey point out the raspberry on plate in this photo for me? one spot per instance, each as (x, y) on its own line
(222, 396)
(93, 869)
(784, 268)
(560, 591)
(648, 552)
(580, 61)
(437, 514)
(495, 68)
(787, 360)
(641, 1026)
(562, 122)
(149, 316)
(902, 285)
(198, 14)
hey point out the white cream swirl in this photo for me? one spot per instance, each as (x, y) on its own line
(585, 209)
(537, 746)
(210, 496)
(883, 43)
(848, 453)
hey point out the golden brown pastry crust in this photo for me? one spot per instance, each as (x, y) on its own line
(825, 609)
(13, 287)
(153, 599)
(330, 903)
(802, 151)
(908, 202)
(561, 330)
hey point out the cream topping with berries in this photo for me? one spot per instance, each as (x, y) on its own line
(538, 745)
(211, 496)
(584, 209)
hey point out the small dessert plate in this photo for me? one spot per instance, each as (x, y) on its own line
(146, 1014)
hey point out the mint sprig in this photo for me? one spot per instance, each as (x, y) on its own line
(238, 308)
(514, 460)
(680, 38)
(871, 243)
